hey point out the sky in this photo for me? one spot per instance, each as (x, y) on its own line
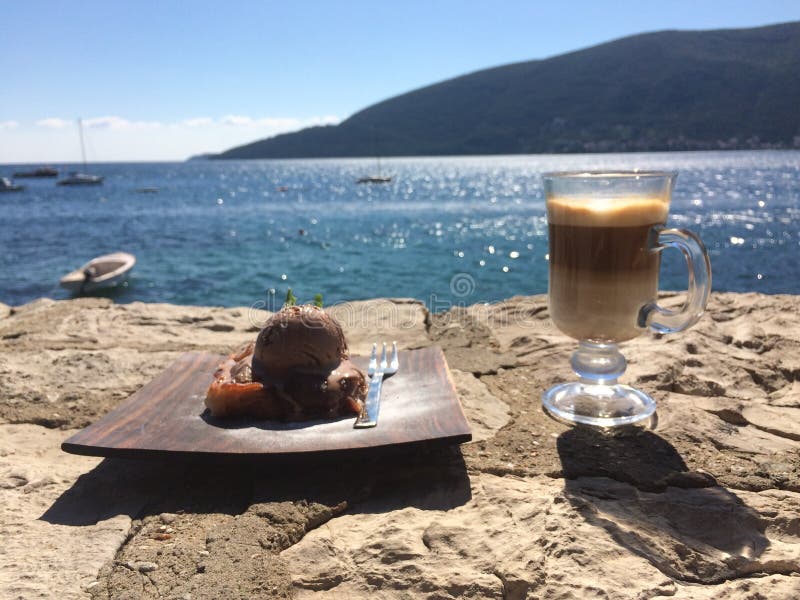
(168, 79)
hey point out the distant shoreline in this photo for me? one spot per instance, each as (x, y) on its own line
(73, 165)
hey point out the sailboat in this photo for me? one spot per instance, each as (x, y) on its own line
(6, 185)
(78, 178)
(375, 178)
(378, 178)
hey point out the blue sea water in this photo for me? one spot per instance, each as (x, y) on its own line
(445, 230)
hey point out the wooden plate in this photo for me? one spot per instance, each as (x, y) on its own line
(167, 417)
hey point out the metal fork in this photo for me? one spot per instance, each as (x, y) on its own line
(376, 372)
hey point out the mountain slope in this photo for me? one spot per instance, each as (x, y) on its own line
(669, 90)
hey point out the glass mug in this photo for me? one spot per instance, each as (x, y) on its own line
(606, 236)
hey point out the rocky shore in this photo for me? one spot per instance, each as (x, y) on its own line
(703, 504)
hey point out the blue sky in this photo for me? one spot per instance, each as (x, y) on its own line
(164, 80)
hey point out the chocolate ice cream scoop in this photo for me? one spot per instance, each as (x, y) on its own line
(298, 338)
(297, 369)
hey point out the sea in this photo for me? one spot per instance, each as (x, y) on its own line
(446, 230)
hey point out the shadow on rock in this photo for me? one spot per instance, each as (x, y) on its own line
(633, 455)
(433, 479)
(636, 486)
(137, 488)
(436, 480)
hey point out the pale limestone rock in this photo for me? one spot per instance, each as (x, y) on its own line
(468, 336)
(517, 538)
(782, 421)
(520, 325)
(366, 322)
(789, 395)
(773, 587)
(699, 417)
(485, 412)
(95, 323)
(72, 387)
(42, 558)
(637, 516)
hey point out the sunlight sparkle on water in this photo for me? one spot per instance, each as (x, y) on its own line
(410, 243)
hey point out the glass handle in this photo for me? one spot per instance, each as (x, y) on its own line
(664, 320)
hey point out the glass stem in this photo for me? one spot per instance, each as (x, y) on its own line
(598, 364)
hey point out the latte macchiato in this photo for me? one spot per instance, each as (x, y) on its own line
(606, 237)
(602, 267)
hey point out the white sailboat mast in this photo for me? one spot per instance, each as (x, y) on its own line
(83, 149)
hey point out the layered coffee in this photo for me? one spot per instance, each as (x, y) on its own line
(603, 269)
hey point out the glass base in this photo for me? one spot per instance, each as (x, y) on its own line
(596, 404)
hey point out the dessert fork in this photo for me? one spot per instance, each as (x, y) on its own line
(376, 372)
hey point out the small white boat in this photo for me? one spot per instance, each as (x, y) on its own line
(6, 185)
(375, 179)
(81, 179)
(104, 271)
(378, 177)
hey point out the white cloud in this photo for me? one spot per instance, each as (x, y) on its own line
(119, 123)
(53, 123)
(277, 123)
(114, 137)
(197, 122)
(8, 125)
(237, 120)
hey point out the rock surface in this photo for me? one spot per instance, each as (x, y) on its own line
(48, 557)
(703, 504)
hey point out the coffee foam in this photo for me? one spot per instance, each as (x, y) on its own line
(606, 212)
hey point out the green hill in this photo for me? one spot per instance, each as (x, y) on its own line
(669, 90)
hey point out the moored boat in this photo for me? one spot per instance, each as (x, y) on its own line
(104, 271)
(81, 179)
(6, 185)
(375, 179)
(378, 177)
(36, 173)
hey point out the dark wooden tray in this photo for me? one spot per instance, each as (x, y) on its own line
(167, 417)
